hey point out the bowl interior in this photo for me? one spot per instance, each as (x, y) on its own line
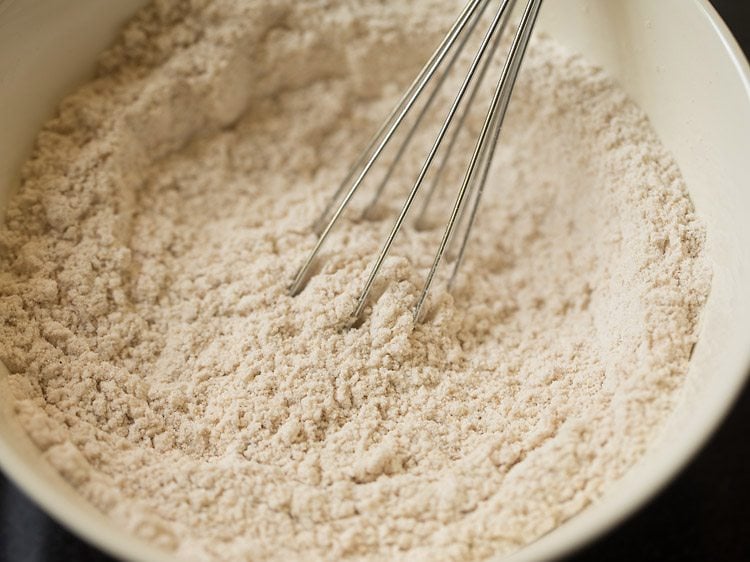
(674, 57)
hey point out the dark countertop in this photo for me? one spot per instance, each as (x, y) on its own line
(703, 515)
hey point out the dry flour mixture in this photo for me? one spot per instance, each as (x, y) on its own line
(158, 361)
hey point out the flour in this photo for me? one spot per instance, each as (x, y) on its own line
(158, 361)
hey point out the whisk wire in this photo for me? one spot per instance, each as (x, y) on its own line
(489, 151)
(426, 108)
(496, 114)
(483, 48)
(407, 100)
(386, 132)
(445, 159)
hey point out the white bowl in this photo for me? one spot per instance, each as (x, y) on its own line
(675, 58)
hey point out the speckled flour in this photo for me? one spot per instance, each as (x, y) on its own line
(158, 361)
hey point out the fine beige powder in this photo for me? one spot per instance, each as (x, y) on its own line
(158, 361)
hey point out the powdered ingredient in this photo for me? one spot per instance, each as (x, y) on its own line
(158, 361)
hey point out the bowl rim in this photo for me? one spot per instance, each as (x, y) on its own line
(99, 531)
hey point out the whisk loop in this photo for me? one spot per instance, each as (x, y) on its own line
(472, 187)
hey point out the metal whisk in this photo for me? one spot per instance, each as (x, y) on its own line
(475, 177)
